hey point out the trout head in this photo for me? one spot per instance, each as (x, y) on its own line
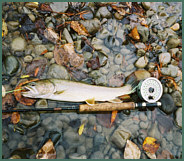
(39, 89)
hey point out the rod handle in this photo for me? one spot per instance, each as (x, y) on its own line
(107, 107)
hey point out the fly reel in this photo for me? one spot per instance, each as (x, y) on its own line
(150, 90)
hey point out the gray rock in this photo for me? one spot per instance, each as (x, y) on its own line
(87, 56)
(173, 51)
(146, 5)
(166, 71)
(12, 144)
(141, 62)
(89, 144)
(130, 67)
(11, 65)
(92, 25)
(41, 104)
(165, 58)
(67, 36)
(141, 52)
(81, 150)
(59, 6)
(171, 20)
(18, 44)
(118, 59)
(97, 155)
(77, 156)
(98, 140)
(167, 104)
(143, 125)
(39, 49)
(28, 59)
(120, 136)
(103, 12)
(154, 131)
(99, 128)
(144, 32)
(143, 116)
(12, 25)
(178, 117)
(102, 80)
(57, 71)
(35, 39)
(60, 151)
(49, 55)
(63, 118)
(177, 97)
(118, 16)
(47, 121)
(92, 120)
(177, 138)
(116, 155)
(102, 34)
(173, 43)
(174, 70)
(40, 131)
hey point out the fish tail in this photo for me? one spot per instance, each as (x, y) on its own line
(133, 82)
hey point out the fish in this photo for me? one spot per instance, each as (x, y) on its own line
(71, 91)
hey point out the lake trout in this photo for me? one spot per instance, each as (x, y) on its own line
(65, 90)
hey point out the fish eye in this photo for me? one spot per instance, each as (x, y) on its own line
(32, 84)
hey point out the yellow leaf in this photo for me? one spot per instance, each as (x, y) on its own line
(24, 76)
(81, 129)
(79, 28)
(150, 145)
(4, 28)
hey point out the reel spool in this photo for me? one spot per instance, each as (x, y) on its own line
(150, 90)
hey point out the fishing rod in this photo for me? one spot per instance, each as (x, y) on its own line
(149, 90)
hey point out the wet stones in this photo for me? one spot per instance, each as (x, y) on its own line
(11, 65)
(18, 44)
(165, 58)
(103, 12)
(141, 62)
(178, 117)
(144, 32)
(118, 59)
(177, 97)
(59, 6)
(40, 49)
(173, 43)
(146, 5)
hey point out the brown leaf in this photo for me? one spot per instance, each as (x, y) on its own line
(120, 10)
(93, 63)
(104, 119)
(7, 101)
(51, 35)
(134, 34)
(79, 28)
(150, 145)
(165, 155)
(45, 7)
(20, 98)
(15, 117)
(47, 151)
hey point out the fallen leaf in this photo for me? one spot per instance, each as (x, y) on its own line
(165, 155)
(7, 102)
(79, 28)
(45, 7)
(132, 151)
(120, 10)
(15, 117)
(94, 128)
(36, 71)
(104, 119)
(81, 129)
(20, 98)
(24, 76)
(47, 151)
(93, 63)
(45, 51)
(134, 34)
(3, 91)
(151, 156)
(113, 117)
(150, 145)
(4, 28)
(51, 35)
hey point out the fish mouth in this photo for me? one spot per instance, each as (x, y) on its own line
(30, 91)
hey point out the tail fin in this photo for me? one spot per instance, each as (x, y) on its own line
(133, 81)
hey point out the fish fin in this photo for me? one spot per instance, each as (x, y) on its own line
(59, 92)
(91, 101)
(116, 100)
(133, 82)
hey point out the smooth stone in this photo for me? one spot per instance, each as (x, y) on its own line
(99, 128)
(97, 155)
(87, 56)
(92, 120)
(99, 140)
(40, 131)
(81, 150)
(102, 81)
(32, 17)
(166, 71)
(57, 71)
(59, 6)
(125, 51)
(67, 36)
(144, 32)
(35, 39)
(103, 34)
(40, 49)
(154, 132)
(175, 27)
(118, 59)
(146, 5)
(150, 13)
(177, 97)
(63, 118)
(174, 70)
(177, 138)
(60, 151)
(103, 12)
(130, 67)
(118, 16)
(28, 59)
(178, 117)
(12, 144)
(142, 74)
(49, 55)
(143, 125)
(116, 155)
(173, 43)
(143, 116)
(11, 65)
(41, 104)
(77, 156)
(141, 62)
(12, 25)
(18, 44)
(141, 52)
(165, 58)
(171, 20)
(167, 104)
(120, 136)
(173, 51)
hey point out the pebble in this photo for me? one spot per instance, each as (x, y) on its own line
(28, 59)
(118, 16)
(166, 71)
(144, 32)
(59, 6)
(40, 49)
(141, 62)
(118, 59)
(63, 118)
(103, 12)
(178, 117)
(60, 151)
(11, 65)
(177, 97)
(57, 71)
(99, 128)
(77, 156)
(173, 43)
(49, 55)
(47, 121)
(174, 70)
(18, 44)
(12, 144)
(32, 17)
(143, 116)
(141, 52)
(146, 5)
(175, 27)
(171, 20)
(177, 138)
(81, 150)
(165, 58)
(99, 140)
(167, 104)
(143, 125)
(97, 155)
(67, 36)
(41, 104)
(40, 131)
(116, 155)
(92, 120)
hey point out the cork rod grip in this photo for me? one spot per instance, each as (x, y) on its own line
(107, 107)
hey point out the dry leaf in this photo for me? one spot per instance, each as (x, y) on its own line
(132, 151)
(151, 156)
(134, 34)
(20, 98)
(120, 10)
(15, 118)
(3, 91)
(81, 129)
(165, 155)
(79, 28)
(113, 117)
(4, 28)
(47, 151)
(7, 101)
(150, 145)
(51, 35)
